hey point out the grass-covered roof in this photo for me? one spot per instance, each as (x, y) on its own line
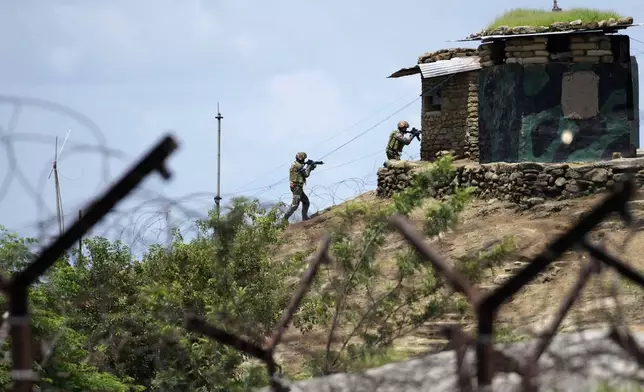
(534, 17)
(529, 21)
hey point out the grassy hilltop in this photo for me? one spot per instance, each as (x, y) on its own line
(535, 17)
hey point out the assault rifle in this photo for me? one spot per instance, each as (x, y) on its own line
(311, 163)
(414, 132)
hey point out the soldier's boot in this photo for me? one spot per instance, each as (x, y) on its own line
(305, 211)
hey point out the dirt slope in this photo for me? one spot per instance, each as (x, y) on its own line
(532, 308)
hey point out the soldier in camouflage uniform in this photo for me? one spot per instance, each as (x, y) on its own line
(397, 141)
(298, 173)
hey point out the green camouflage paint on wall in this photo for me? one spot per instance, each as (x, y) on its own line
(499, 116)
(521, 116)
(635, 130)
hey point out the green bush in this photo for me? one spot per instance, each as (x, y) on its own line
(117, 322)
(375, 309)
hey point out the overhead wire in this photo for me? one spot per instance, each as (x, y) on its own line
(429, 90)
(266, 189)
(638, 52)
(326, 169)
(324, 141)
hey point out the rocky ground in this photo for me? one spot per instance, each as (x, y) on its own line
(525, 183)
(576, 362)
(531, 309)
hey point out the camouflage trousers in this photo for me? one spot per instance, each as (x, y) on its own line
(393, 154)
(298, 196)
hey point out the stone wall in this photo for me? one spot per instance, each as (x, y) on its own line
(455, 126)
(438, 372)
(530, 50)
(448, 128)
(445, 54)
(591, 48)
(472, 121)
(577, 48)
(521, 183)
(575, 25)
(487, 55)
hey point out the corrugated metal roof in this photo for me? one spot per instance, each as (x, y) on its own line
(448, 67)
(405, 72)
(441, 67)
(606, 30)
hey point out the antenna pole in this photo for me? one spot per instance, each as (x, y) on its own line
(218, 197)
(59, 210)
(59, 213)
(80, 239)
(54, 171)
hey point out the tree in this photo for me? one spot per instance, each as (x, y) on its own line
(227, 275)
(112, 323)
(63, 367)
(369, 307)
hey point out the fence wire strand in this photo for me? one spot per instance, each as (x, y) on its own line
(152, 218)
(489, 359)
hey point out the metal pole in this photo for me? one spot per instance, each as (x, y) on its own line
(218, 197)
(59, 213)
(22, 374)
(80, 239)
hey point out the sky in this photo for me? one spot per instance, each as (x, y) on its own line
(288, 75)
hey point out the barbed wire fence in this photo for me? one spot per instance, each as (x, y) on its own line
(151, 220)
(148, 221)
(16, 289)
(489, 360)
(143, 222)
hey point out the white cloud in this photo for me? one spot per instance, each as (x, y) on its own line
(304, 103)
(64, 59)
(244, 44)
(115, 36)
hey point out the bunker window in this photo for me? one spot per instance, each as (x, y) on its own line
(432, 101)
(558, 44)
(580, 95)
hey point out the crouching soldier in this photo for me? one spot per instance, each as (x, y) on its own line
(397, 141)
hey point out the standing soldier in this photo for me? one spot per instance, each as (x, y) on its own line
(298, 174)
(397, 141)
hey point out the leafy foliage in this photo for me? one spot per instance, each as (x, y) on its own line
(117, 322)
(67, 369)
(111, 322)
(474, 266)
(371, 305)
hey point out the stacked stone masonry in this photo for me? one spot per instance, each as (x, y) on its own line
(486, 57)
(454, 126)
(524, 183)
(575, 25)
(445, 54)
(583, 48)
(591, 49)
(472, 121)
(532, 50)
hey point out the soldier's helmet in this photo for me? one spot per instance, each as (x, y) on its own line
(403, 124)
(300, 156)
